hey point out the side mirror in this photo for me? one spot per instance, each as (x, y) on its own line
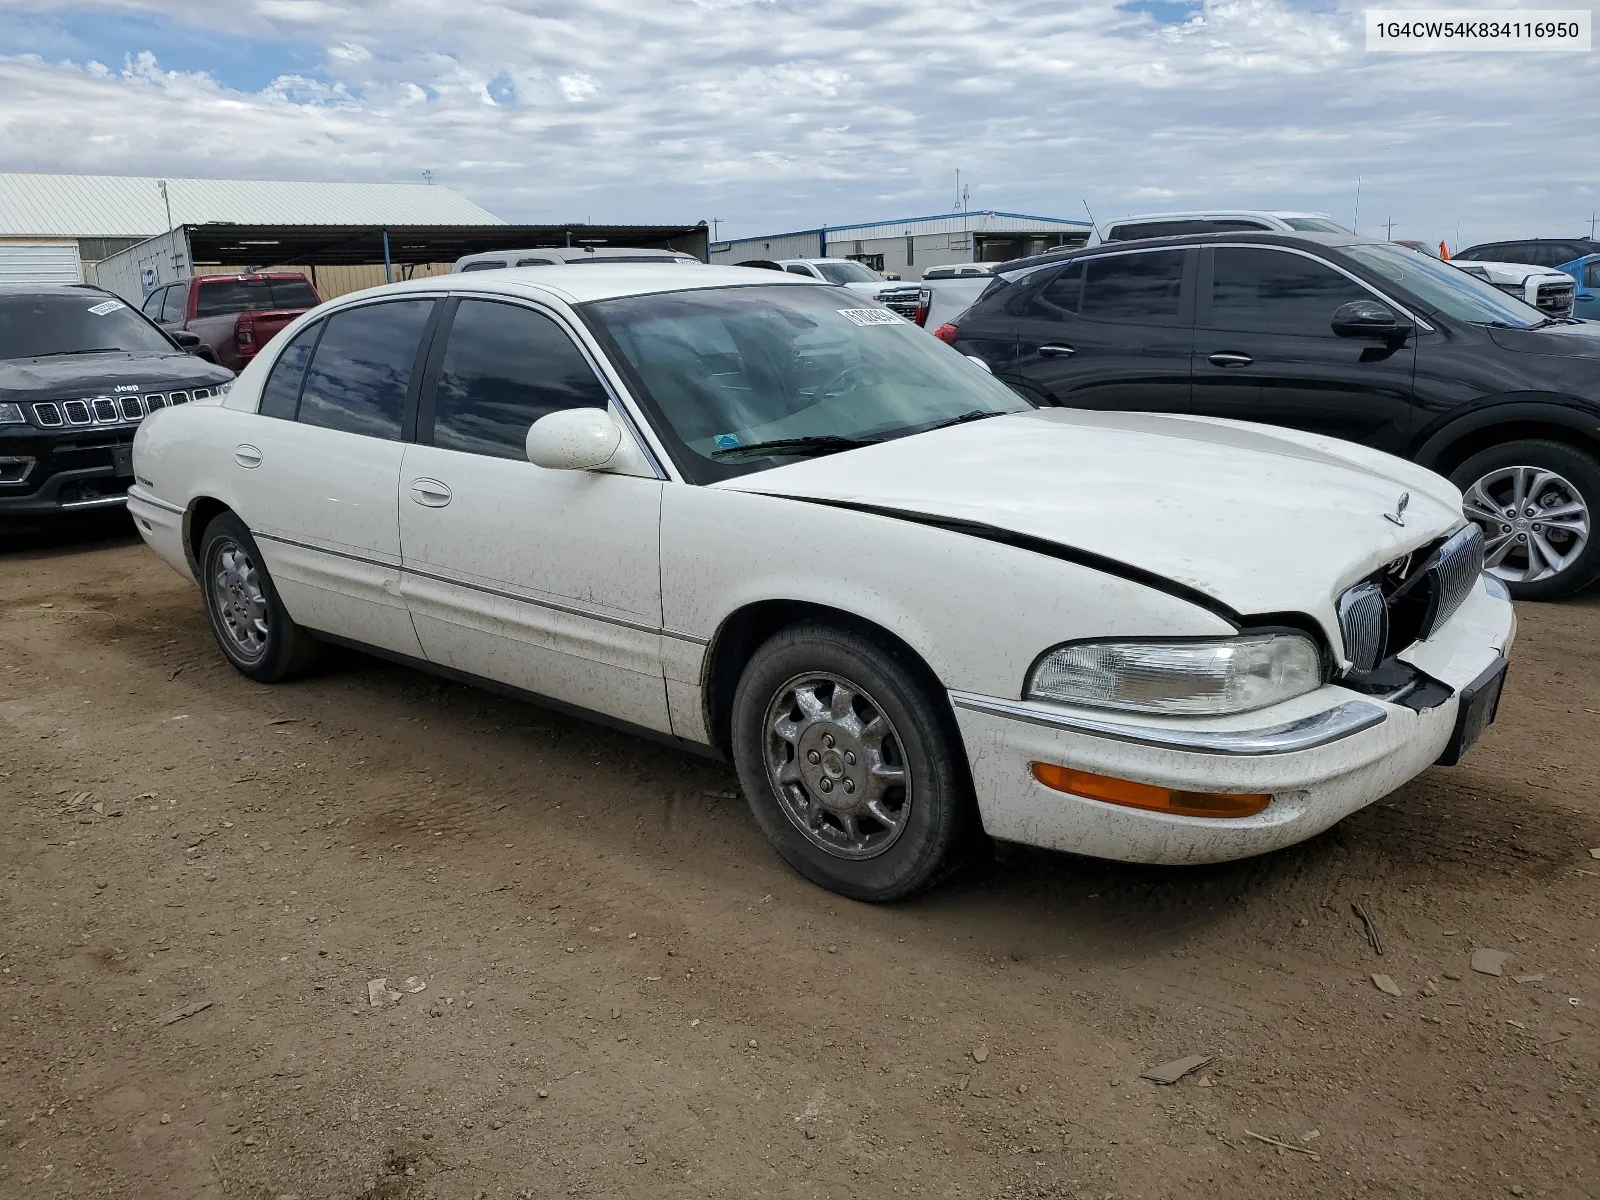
(981, 363)
(574, 439)
(1370, 320)
(190, 342)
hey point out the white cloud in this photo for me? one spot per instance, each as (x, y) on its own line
(776, 115)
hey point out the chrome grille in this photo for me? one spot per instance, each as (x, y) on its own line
(901, 300)
(1364, 625)
(110, 410)
(1453, 571)
(1554, 298)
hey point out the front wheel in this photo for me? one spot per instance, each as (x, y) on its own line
(247, 618)
(1536, 501)
(852, 763)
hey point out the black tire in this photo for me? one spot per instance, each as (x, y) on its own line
(284, 649)
(938, 816)
(1576, 469)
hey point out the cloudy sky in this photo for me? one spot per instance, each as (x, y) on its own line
(780, 114)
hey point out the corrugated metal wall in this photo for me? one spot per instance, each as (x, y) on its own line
(40, 262)
(784, 245)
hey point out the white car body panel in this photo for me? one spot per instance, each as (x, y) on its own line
(609, 591)
(1161, 493)
(544, 580)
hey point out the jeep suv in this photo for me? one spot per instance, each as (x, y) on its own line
(1340, 335)
(79, 370)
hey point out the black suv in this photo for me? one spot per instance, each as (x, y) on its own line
(1533, 252)
(1362, 340)
(79, 370)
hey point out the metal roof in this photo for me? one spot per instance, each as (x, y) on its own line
(131, 206)
(984, 221)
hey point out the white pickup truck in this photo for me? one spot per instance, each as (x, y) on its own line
(948, 291)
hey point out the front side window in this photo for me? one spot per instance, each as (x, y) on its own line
(281, 395)
(1440, 287)
(726, 372)
(1270, 291)
(360, 373)
(1142, 289)
(74, 321)
(504, 367)
(174, 304)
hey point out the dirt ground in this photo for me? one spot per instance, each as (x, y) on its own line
(600, 982)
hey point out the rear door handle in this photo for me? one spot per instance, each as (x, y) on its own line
(1057, 351)
(1230, 358)
(247, 456)
(430, 492)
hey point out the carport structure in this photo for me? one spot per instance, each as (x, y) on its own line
(345, 258)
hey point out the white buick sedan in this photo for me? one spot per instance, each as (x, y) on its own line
(748, 514)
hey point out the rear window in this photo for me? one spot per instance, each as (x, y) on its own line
(218, 297)
(1314, 225)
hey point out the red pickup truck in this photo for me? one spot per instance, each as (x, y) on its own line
(232, 315)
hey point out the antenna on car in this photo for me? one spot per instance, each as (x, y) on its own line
(1090, 211)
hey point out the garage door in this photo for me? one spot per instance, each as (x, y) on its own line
(40, 262)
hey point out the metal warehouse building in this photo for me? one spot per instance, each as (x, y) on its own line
(910, 246)
(132, 234)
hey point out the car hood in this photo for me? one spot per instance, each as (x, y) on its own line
(1502, 272)
(87, 374)
(1260, 520)
(1562, 341)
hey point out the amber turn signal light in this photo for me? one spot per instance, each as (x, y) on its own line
(1147, 796)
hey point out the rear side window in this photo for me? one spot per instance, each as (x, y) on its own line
(1154, 229)
(281, 395)
(152, 304)
(533, 262)
(1058, 299)
(1269, 291)
(1143, 289)
(361, 370)
(486, 265)
(504, 367)
(1591, 275)
(799, 270)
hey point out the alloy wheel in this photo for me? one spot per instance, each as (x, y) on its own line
(836, 763)
(1535, 523)
(238, 600)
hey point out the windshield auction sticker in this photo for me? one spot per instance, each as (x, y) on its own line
(110, 306)
(1436, 30)
(869, 316)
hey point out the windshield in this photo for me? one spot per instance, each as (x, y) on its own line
(847, 272)
(1447, 289)
(74, 322)
(1314, 225)
(726, 368)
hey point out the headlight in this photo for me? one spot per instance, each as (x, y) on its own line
(1183, 678)
(11, 414)
(222, 389)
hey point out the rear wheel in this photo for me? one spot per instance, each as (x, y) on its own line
(852, 764)
(1537, 502)
(247, 618)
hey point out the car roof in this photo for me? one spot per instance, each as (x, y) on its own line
(817, 260)
(597, 281)
(1180, 240)
(48, 289)
(1278, 213)
(577, 253)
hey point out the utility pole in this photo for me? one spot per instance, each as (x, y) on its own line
(716, 223)
(1593, 219)
(427, 175)
(1355, 221)
(1389, 232)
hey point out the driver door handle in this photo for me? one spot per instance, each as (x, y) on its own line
(430, 492)
(1057, 351)
(1230, 358)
